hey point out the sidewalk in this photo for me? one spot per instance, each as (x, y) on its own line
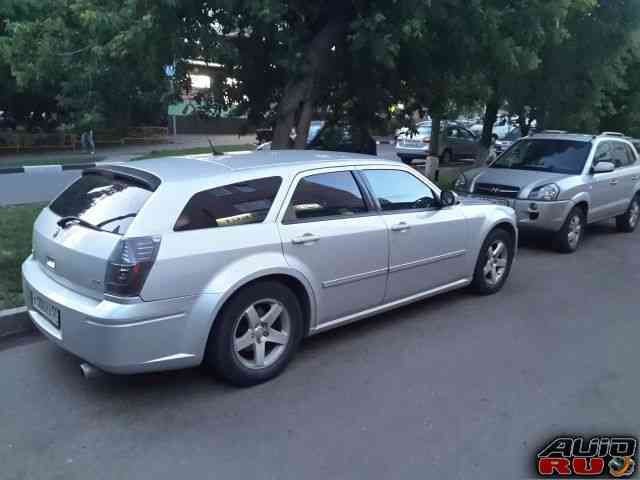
(120, 153)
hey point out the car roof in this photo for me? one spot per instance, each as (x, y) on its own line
(175, 169)
(578, 137)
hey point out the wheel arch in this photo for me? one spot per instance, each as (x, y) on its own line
(291, 279)
(583, 201)
(509, 228)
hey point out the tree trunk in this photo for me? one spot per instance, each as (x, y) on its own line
(300, 92)
(302, 130)
(436, 120)
(541, 120)
(490, 116)
(295, 94)
(524, 124)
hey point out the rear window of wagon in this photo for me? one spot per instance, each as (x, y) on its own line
(107, 200)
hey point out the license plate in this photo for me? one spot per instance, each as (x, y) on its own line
(497, 201)
(47, 309)
(412, 144)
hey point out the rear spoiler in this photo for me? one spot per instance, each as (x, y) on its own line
(145, 179)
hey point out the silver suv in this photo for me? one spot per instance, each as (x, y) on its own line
(171, 263)
(559, 182)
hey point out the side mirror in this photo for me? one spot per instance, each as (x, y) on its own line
(449, 198)
(603, 167)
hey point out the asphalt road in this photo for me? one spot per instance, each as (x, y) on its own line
(455, 387)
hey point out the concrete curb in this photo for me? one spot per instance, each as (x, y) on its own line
(15, 321)
(42, 168)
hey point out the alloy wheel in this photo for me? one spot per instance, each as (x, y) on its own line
(496, 265)
(575, 231)
(634, 213)
(261, 334)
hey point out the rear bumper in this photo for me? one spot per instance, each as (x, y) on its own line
(122, 338)
(412, 153)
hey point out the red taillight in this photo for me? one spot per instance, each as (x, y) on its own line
(426, 140)
(129, 265)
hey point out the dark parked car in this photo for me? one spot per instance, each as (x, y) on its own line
(7, 122)
(332, 137)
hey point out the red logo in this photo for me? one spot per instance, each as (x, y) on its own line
(601, 456)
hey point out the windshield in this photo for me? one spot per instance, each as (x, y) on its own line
(546, 155)
(424, 130)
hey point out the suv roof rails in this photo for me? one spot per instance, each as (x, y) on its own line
(613, 134)
(556, 132)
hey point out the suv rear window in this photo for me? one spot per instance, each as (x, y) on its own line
(106, 201)
(236, 204)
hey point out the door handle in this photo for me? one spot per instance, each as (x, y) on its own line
(400, 227)
(613, 182)
(305, 239)
(635, 178)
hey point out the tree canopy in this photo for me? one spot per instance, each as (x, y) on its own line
(566, 64)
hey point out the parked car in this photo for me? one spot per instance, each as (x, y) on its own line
(503, 143)
(7, 121)
(332, 137)
(405, 130)
(456, 142)
(151, 267)
(560, 182)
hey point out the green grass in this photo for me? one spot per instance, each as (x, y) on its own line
(29, 161)
(176, 152)
(16, 225)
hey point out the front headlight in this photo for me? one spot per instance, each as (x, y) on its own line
(460, 183)
(547, 192)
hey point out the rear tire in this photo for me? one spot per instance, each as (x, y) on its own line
(494, 262)
(629, 220)
(250, 343)
(568, 239)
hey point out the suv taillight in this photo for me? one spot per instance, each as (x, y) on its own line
(129, 265)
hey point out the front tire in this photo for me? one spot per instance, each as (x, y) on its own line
(629, 220)
(494, 263)
(568, 239)
(255, 335)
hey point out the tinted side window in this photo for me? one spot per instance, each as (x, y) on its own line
(631, 156)
(398, 190)
(465, 134)
(236, 204)
(603, 153)
(326, 195)
(619, 155)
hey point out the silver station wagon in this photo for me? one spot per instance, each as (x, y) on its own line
(231, 261)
